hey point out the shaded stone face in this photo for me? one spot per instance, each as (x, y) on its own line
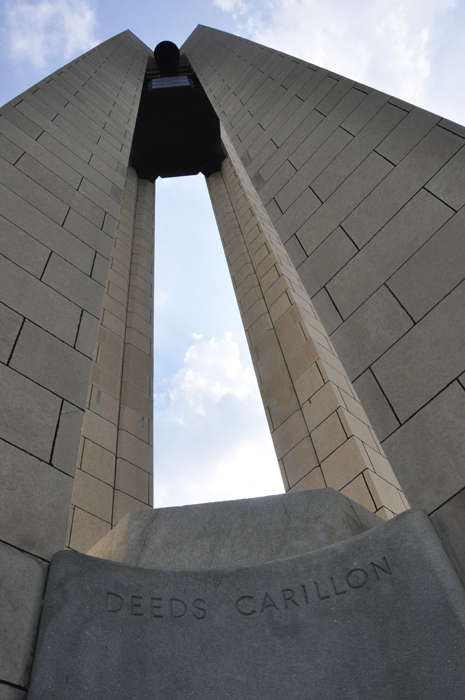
(382, 610)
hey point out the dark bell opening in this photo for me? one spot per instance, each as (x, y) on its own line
(167, 58)
(177, 130)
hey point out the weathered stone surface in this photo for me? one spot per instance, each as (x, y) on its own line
(8, 692)
(429, 450)
(22, 583)
(234, 533)
(449, 523)
(379, 615)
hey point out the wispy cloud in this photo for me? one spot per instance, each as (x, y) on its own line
(214, 445)
(389, 44)
(49, 29)
(236, 7)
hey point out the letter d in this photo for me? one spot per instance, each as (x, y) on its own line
(114, 602)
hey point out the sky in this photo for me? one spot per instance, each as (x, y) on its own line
(211, 437)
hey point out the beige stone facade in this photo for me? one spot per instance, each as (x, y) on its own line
(320, 430)
(64, 151)
(341, 213)
(366, 192)
(115, 463)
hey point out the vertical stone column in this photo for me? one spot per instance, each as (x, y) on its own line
(115, 461)
(367, 194)
(134, 464)
(321, 433)
(64, 149)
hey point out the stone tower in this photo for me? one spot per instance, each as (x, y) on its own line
(339, 208)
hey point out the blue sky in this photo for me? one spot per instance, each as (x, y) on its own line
(212, 442)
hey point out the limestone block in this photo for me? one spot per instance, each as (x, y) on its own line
(400, 186)
(308, 383)
(30, 298)
(407, 134)
(321, 152)
(135, 423)
(21, 121)
(29, 519)
(345, 463)
(74, 285)
(68, 436)
(138, 400)
(376, 405)
(135, 451)
(370, 331)
(283, 406)
(98, 462)
(97, 239)
(132, 481)
(43, 155)
(112, 361)
(124, 504)
(92, 495)
(299, 461)
(9, 150)
(100, 269)
(322, 404)
(86, 529)
(357, 150)
(19, 247)
(68, 376)
(99, 430)
(104, 405)
(87, 335)
(429, 450)
(342, 202)
(386, 252)
(289, 434)
(300, 360)
(328, 436)
(29, 413)
(425, 360)
(105, 380)
(365, 112)
(449, 522)
(437, 267)
(384, 493)
(8, 692)
(329, 315)
(358, 491)
(326, 261)
(10, 323)
(61, 189)
(22, 578)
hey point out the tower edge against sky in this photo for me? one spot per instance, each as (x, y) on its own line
(366, 193)
(76, 318)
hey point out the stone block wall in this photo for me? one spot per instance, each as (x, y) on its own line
(320, 431)
(64, 149)
(115, 463)
(367, 194)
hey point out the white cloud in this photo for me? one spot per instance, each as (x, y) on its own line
(214, 439)
(236, 7)
(390, 44)
(213, 371)
(49, 29)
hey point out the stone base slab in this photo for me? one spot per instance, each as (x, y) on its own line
(380, 616)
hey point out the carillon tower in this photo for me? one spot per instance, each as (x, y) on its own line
(340, 210)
